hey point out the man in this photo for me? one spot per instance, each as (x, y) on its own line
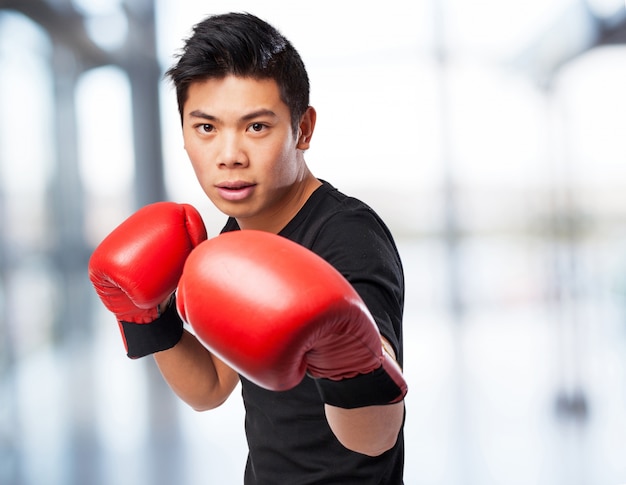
(318, 358)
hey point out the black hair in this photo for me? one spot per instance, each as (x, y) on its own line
(243, 45)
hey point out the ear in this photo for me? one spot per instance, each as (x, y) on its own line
(305, 131)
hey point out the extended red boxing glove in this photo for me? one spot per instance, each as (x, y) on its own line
(138, 266)
(275, 311)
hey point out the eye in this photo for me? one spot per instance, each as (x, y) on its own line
(257, 127)
(205, 128)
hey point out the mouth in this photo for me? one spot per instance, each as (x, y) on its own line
(234, 191)
(237, 185)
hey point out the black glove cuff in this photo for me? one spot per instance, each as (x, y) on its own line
(375, 388)
(148, 338)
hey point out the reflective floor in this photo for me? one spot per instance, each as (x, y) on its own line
(518, 386)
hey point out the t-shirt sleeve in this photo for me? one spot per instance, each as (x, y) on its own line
(361, 248)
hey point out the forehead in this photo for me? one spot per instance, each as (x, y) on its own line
(233, 94)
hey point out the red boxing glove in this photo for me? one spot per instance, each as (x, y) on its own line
(274, 311)
(137, 267)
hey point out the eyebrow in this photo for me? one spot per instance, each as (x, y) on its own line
(247, 117)
(203, 115)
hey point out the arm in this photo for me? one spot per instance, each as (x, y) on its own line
(369, 430)
(138, 265)
(373, 267)
(198, 377)
(277, 311)
(135, 270)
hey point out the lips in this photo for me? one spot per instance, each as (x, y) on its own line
(235, 191)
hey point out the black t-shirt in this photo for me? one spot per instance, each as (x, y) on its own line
(288, 436)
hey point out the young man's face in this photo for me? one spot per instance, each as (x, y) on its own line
(239, 138)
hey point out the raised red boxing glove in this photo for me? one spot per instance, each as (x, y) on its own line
(137, 267)
(275, 311)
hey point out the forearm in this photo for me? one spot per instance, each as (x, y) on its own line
(199, 378)
(370, 430)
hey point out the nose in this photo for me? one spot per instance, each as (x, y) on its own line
(232, 153)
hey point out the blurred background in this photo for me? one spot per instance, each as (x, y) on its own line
(491, 136)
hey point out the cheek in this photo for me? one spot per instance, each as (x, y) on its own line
(285, 170)
(193, 159)
(198, 164)
(284, 156)
(195, 152)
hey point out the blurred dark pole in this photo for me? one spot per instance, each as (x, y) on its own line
(565, 233)
(137, 57)
(573, 33)
(455, 305)
(65, 246)
(139, 60)
(74, 53)
(70, 255)
(450, 210)
(62, 22)
(9, 429)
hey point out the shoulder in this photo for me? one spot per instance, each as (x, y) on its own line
(352, 237)
(331, 214)
(351, 226)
